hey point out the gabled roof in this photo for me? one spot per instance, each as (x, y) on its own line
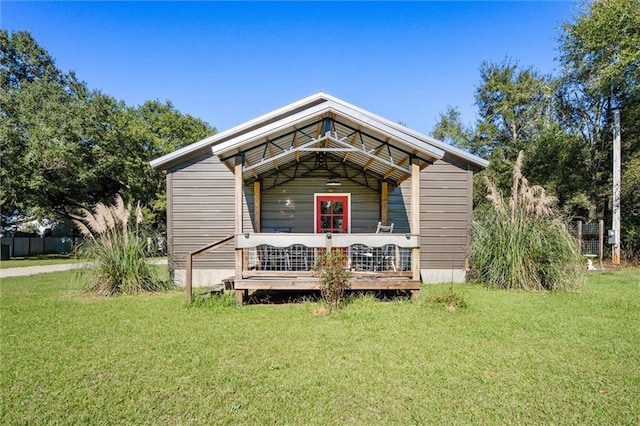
(323, 124)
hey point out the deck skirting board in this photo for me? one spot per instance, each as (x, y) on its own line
(442, 276)
(306, 283)
(201, 277)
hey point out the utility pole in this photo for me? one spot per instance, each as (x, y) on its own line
(615, 250)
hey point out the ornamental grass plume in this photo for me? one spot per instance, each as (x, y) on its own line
(115, 251)
(524, 244)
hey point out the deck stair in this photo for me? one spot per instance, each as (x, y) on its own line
(228, 283)
(215, 289)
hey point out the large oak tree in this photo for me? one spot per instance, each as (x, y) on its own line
(65, 146)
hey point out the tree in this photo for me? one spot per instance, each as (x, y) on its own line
(22, 60)
(156, 129)
(514, 105)
(601, 48)
(515, 111)
(451, 130)
(44, 148)
(564, 124)
(66, 147)
(600, 53)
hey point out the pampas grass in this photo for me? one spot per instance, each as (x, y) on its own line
(523, 244)
(116, 250)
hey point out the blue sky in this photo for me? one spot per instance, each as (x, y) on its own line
(227, 63)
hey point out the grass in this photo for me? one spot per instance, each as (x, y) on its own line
(37, 261)
(509, 357)
(523, 243)
(114, 249)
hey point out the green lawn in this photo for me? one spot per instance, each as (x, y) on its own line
(37, 261)
(510, 357)
(52, 260)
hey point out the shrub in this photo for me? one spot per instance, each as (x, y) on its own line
(334, 277)
(450, 299)
(115, 251)
(524, 245)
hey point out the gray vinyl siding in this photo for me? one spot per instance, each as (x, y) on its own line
(399, 207)
(200, 211)
(291, 205)
(446, 203)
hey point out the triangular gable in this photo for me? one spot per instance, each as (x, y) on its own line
(322, 124)
(328, 128)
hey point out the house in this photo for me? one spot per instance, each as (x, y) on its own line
(255, 204)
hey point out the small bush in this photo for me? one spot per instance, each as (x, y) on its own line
(450, 299)
(524, 245)
(334, 277)
(115, 251)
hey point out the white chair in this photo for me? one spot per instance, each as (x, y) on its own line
(388, 250)
(384, 229)
(361, 258)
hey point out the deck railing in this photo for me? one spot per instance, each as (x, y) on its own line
(199, 252)
(269, 254)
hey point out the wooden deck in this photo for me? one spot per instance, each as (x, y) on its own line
(272, 261)
(382, 283)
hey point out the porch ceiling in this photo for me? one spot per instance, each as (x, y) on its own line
(363, 146)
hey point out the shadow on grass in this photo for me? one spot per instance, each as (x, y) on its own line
(281, 297)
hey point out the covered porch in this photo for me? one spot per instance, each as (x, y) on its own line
(321, 180)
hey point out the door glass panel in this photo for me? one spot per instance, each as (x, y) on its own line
(332, 214)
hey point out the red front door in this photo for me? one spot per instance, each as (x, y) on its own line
(332, 214)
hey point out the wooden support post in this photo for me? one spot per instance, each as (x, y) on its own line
(415, 217)
(384, 202)
(580, 237)
(257, 206)
(241, 295)
(601, 240)
(239, 183)
(245, 261)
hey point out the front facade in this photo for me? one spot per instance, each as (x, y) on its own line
(319, 173)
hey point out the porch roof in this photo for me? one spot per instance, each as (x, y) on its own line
(319, 126)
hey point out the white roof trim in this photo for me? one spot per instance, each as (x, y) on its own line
(382, 126)
(262, 132)
(328, 106)
(204, 143)
(419, 140)
(421, 136)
